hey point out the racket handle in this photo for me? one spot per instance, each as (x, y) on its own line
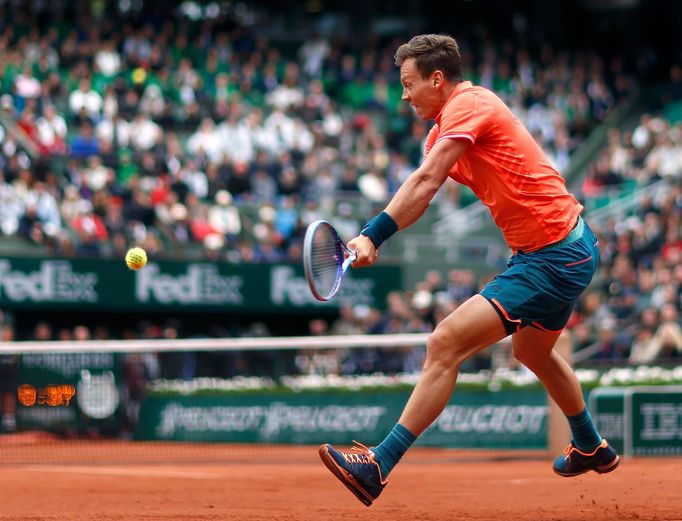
(352, 255)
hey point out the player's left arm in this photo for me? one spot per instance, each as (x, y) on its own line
(412, 199)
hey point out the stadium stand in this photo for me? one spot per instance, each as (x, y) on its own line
(149, 125)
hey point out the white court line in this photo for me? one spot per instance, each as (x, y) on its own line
(108, 471)
(549, 479)
(521, 481)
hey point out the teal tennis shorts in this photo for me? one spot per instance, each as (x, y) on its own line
(539, 289)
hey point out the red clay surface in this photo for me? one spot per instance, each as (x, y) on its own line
(290, 483)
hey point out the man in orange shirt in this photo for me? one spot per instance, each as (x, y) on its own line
(478, 142)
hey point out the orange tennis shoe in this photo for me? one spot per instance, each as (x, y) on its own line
(574, 462)
(356, 469)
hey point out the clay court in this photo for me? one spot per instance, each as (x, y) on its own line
(290, 483)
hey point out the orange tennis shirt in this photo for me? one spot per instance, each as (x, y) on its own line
(506, 169)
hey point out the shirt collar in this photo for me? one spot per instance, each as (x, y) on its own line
(461, 86)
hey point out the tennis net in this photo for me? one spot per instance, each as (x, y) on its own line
(186, 400)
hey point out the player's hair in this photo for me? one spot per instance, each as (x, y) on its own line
(432, 52)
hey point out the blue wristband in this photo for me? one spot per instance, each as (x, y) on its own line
(380, 228)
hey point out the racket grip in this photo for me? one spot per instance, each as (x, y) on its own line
(352, 255)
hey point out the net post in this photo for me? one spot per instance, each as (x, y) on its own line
(558, 431)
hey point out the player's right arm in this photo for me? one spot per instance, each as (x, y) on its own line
(413, 197)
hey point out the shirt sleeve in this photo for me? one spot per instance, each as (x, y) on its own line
(465, 117)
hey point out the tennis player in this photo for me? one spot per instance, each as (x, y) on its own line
(477, 141)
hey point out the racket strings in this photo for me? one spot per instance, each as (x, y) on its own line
(326, 258)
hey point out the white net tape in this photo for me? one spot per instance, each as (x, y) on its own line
(216, 344)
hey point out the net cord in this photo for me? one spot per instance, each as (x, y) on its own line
(215, 344)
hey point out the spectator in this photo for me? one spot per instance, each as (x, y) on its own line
(84, 144)
(107, 59)
(345, 222)
(26, 87)
(313, 54)
(81, 333)
(91, 230)
(264, 187)
(655, 342)
(611, 348)
(42, 331)
(288, 95)
(52, 131)
(46, 207)
(144, 133)
(27, 125)
(114, 130)
(11, 207)
(85, 102)
(207, 142)
(315, 361)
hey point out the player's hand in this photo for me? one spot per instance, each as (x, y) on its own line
(365, 249)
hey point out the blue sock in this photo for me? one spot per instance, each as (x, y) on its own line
(388, 453)
(585, 435)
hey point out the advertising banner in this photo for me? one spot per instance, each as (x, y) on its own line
(472, 419)
(107, 284)
(607, 410)
(655, 423)
(63, 392)
(640, 420)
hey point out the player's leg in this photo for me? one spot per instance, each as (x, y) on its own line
(535, 349)
(587, 451)
(471, 327)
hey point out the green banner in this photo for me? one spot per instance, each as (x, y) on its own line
(471, 419)
(110, 285)
(89, 383)
(656, 421)
(640, 420)
(607, 409)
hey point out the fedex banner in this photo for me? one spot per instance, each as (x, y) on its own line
(109, 285)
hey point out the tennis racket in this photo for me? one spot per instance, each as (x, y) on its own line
(325, 259)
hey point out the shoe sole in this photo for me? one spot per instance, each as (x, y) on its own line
(602, 469)
(344, 477)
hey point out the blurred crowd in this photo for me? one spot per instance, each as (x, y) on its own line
(633, 312)
(205, 137)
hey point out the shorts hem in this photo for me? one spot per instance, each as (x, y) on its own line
(510, 325)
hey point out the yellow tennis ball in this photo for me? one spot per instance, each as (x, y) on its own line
(136, 258)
